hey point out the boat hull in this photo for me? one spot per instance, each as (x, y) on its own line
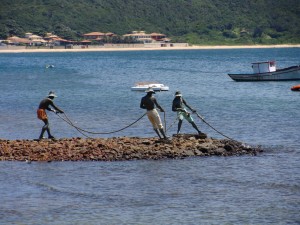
(296, 88)
(154, 88)
(290, 73)
(143, 86)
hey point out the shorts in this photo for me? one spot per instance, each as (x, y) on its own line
(185, 115)
(41, 114)
(154, 118)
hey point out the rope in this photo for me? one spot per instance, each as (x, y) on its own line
(201, 117)
(71, 124)
(83, 131)
(172, 123)
(90, 132)
(165, 122)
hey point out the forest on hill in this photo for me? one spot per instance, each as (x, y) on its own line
(193, 21)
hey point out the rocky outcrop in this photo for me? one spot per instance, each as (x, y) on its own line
(120, 148)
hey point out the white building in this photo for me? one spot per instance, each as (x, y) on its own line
(140, 36)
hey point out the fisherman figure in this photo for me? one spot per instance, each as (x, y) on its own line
(149, 102)
(42, 115)
(178, 106)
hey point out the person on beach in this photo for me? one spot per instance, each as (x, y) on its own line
(182, 113)
(149, 102)
(42, 115)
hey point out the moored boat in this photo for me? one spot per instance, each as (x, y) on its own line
(142, 86)
(266, 71)
(296, 87)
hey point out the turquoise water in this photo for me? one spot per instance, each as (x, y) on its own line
(94, 91)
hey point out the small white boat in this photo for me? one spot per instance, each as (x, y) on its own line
(142, 86)
(266, 71)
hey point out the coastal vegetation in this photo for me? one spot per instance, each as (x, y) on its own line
(206, 22)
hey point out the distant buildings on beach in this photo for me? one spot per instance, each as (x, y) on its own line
(93, 38)
(36, 40)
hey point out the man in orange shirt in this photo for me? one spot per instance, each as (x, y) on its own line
(42, 115)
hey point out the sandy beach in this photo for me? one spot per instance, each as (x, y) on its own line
(108, 49)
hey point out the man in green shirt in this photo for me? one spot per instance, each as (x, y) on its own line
(178, 106)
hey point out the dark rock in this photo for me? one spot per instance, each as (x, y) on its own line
(228, 147)
(120, 148)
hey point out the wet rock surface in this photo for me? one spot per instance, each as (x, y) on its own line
(120, 148)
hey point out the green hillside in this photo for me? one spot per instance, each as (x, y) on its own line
(193, 21)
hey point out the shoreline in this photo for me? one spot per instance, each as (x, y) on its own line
(109, 49)
(121, 149)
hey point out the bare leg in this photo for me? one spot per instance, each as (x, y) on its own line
(179, 126)
(156, 131)
(195, 126)
(46, 128)
(163, 133)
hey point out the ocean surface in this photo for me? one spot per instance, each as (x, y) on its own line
(93, 89)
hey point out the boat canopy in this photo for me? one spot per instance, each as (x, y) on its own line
(264, 67)
(141, 86)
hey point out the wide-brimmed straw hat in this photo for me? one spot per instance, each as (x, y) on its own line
(178, 94)
(150, 90)
(52, 94)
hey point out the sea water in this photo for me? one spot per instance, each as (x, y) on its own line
(93, 89)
